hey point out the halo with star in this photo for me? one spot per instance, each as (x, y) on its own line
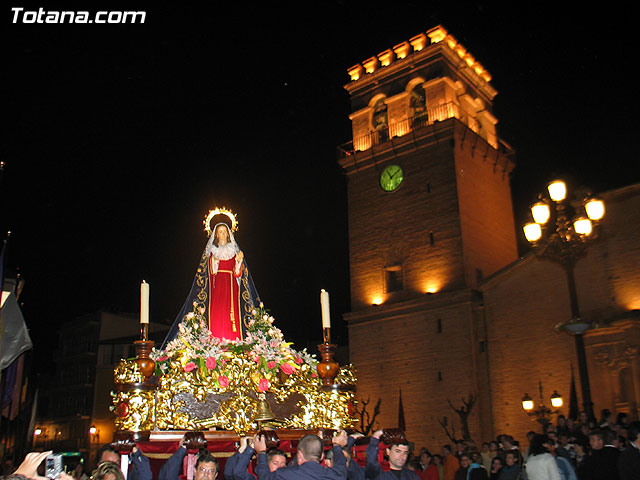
(220, 211)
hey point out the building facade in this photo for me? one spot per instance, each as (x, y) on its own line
(437, 289)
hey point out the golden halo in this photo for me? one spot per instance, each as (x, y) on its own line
(220, 211)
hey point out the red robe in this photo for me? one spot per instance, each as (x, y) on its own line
(224, 300)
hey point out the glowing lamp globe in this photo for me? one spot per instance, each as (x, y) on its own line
(532, 231)
(595, 209)
(583, 226)
(93, 430)
(37, 431)
(541, 213)
(557, 190)
(556, 399)
(527, 403)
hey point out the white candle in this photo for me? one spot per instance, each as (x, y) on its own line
(324, 303)
(144, 302)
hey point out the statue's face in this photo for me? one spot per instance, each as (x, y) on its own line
(222, 234)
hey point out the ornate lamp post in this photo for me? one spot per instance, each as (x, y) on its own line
(561, 234)
(542, 413)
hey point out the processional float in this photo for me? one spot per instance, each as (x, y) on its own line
(196, 382)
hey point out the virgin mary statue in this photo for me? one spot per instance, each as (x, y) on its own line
(222, 288)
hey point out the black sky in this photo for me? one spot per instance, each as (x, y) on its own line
(119, 138)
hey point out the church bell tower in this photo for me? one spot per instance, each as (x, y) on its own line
(430, 216)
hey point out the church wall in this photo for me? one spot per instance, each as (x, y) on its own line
(486, 213)
(407, 352)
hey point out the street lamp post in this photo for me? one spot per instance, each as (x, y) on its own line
(542, 413)
(565, 242)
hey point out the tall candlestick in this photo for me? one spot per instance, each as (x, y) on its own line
(144, 302)
(324, 303)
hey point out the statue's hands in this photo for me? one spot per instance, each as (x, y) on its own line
(239, 256)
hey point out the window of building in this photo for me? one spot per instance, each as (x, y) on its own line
(418, 106)
(393, 281)
(380, 121)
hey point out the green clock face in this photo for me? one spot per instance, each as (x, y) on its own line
(391, 178)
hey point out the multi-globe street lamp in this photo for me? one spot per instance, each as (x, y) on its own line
(542, 413)
(560, 231)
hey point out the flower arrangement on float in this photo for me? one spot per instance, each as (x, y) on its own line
(214, 361)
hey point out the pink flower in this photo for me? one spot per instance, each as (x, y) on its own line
(263, 385)
(256, 359)
(287, 368)
(163, 358)
(189, 366)
(223, 381)
(313, 375)
(299, 360)
(271, 364)
(210, 363)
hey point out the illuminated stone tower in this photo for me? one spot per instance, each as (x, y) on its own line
(430, 215)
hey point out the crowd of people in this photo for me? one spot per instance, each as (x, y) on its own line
(567, 450)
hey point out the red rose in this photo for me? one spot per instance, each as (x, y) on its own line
(271, 364)
(263, 385)
(189, 366)
(299, 360)
(163, 358)
(210, 363)
(287, 368)
(223, 381)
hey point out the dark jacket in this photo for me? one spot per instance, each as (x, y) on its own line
(629, 464)
(171, 468)
(237, 467)
(355, 471)
(373, 470)
(141, 469)
(602, 464)
(307, 471)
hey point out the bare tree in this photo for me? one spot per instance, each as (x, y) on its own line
(463, 414)
(367, 419)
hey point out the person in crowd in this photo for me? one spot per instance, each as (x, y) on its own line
(206, 467)
(605, 419)
(565, 467)
(78, 472)
(509, 445)
(561, 425)
(459, 446)
(430, 470)
(463, 467)
(602, 464)
(629, 459)
(140, 467)
(237, 466)
(413, 464)
(622, 420)
(307, 461)
(425, 458)
(571, 426)
(565, 449)
(496, 467)
(450, 463)
(328, 459)
(530, 435)
(28, 469)
(581, 449)
(486, 455)
(512, 467)
(107, 471)
(398, 453)
(438, 461)
(541, 465)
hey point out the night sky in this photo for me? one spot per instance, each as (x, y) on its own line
(119, 138)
